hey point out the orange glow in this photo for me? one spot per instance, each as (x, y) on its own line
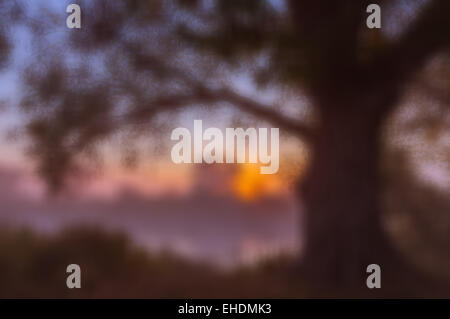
(150, 180)
(249, 185)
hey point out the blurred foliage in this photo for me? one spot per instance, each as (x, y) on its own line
(11, 12)
(417, 215)
(34, 266)
(135, 59)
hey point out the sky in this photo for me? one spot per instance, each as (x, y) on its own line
(13, 141)
(227, 215)
(12, 120)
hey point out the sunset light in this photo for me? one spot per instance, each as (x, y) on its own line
(249, 185)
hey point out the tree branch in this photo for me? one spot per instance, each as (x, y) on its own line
(203, 95)
(199, 94)
(267, 113)
(426, 36)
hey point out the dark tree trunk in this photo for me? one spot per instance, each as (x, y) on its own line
(343, 225)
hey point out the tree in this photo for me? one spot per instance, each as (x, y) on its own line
(135, 59)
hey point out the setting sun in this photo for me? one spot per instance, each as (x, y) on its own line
(248, 184)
